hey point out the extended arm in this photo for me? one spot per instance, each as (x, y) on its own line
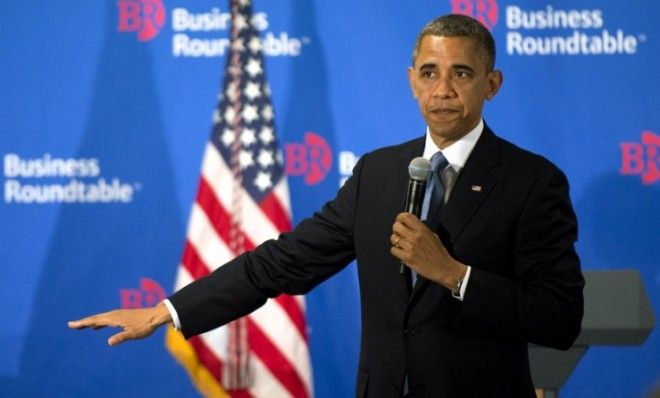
(319, 247)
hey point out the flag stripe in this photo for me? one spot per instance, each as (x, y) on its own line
(213, 363)
(207, 357)
(217, 214)
(276, 213)
(281, 191)
(292, 308)
(193, 262)
(217, 175)
(266, 318)
(183, 277)
(211, 345)
(240, 394)
(275, 361)
(269, 387)
(212, 250)
(215, 211)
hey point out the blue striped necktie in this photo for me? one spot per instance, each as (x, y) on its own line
(434, 196)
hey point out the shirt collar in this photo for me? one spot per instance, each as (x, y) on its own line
(458, 152)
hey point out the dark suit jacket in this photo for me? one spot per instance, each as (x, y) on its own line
(509, 216)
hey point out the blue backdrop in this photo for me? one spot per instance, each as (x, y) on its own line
(105, 113)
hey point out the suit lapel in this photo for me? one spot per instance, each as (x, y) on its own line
(472, 186)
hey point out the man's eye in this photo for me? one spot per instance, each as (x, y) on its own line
(428, 74)
(462, 74)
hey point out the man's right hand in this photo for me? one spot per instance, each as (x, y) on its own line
(136, 323)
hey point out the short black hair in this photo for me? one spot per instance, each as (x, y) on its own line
(456, 25)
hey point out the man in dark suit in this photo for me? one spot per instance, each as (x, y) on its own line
(493, 263)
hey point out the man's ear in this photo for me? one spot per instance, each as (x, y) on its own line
(495, 80)
(411, 81)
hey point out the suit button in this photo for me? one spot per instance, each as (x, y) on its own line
(409, 332)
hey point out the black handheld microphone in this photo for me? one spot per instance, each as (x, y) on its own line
(420, 170)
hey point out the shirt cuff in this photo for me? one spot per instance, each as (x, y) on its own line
(175, 316)
(461, 293)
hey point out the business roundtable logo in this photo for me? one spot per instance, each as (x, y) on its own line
(484, 11)
(50, 179)
(642, 158)
(552, 30)
(311, 158)
(146, 17)
(201, 33)
(148, 294)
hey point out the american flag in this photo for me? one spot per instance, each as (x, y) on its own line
(243, 200)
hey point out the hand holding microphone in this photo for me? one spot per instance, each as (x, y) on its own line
(421, 249)
(420, 170)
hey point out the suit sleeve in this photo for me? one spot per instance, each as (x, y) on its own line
(316, 249)
(542, 303)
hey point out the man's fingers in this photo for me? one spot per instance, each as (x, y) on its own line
(97, 321)
(400, 229)
(406, 224)
(401, 254)
(408, 219)
(395, 239)
(400, 242)
(76, 324)
(127, 334)
(119, 338)
(91, 321)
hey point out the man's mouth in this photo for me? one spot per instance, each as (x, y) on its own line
(443, 111)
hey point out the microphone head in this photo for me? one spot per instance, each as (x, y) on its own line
(420, 169)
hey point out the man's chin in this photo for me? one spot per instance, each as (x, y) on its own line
(446, 134)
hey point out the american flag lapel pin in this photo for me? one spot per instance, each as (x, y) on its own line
(476, 188)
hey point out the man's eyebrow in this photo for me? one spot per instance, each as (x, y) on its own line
(463, 67)
(432, 65)
(428, 65)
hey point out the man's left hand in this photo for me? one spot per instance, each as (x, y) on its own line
(420, 249)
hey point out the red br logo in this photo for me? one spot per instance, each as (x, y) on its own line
(145, 17)
(642, 158)
(485, 11)
(149, 294)
(313, 158)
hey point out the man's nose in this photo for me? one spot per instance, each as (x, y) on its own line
(443, 87)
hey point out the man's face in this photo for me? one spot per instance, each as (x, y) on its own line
(451, 81)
